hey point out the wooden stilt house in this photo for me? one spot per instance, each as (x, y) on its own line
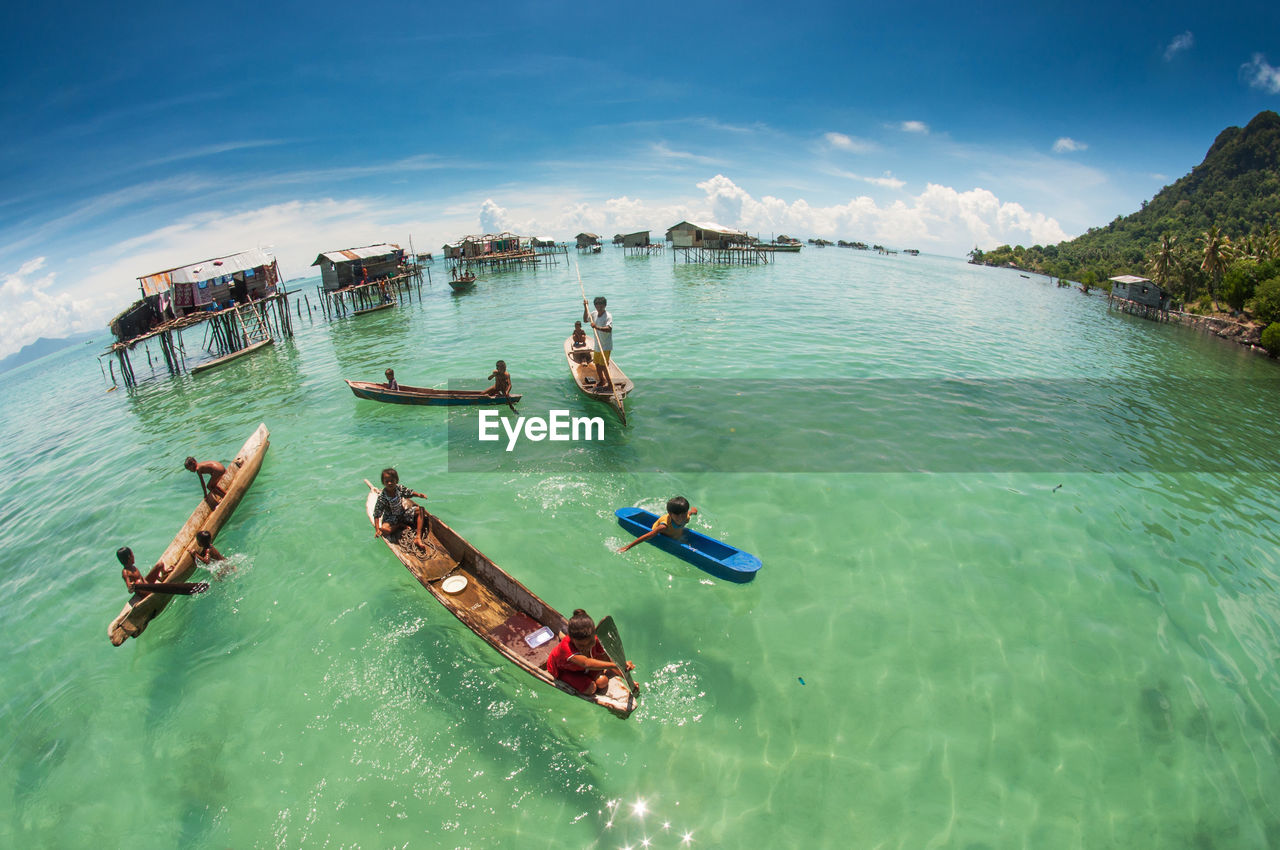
(340, 269)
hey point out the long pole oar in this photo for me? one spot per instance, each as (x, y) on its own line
(617, 399)
(173, 588)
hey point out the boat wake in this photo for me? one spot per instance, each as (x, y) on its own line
(672, 696)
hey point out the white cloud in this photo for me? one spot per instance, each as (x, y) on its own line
(28, 311)
(941, 217)
(1181, 42)
(1260, 75)
(888, 180)
(1067, 145)
(849, 143)
(30, 267)
(665, 152)
(492, 217)
(914, 127)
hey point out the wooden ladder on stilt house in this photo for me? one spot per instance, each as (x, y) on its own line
(253, 325)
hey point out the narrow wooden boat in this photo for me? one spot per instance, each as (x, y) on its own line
(142, 608)
(719, 559)
(367, 310)
(227, 358)
(584, 375)
(487, 600)
(463, 283)
(425, 395)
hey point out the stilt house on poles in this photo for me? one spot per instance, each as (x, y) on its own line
(239, 295)
(351, 266)
(711, 243)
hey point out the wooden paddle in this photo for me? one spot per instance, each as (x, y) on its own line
(173, 588)
(617, 400)
(607, 632)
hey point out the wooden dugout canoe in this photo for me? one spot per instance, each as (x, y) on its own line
(584, 375)
(142, 608)
(373, 309)
(227, 358)
(425, 395)
(502, 611)
(706, 553)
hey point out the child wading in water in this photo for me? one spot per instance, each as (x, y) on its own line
(204, 551)
(580, 661)
(670, 525)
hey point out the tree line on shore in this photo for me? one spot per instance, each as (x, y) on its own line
(1201, 274)
(1209, 239)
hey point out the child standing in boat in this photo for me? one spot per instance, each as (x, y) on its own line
(602, 324)
(394, 508)
(671, 524)
(580, 661)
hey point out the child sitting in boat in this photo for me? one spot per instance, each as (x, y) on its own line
(579, 335)
(391, 380)
(130, 573)
(395, 508)
(580, 661)
(671, 524)
(214, 470)
(501, 380)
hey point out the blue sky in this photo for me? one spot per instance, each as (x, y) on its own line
(151, 135)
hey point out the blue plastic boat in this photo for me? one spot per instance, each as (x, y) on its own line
(719, 559)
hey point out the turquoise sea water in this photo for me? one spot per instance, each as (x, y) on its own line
(944, 648)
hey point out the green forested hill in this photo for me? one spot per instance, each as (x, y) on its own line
(1236, 188)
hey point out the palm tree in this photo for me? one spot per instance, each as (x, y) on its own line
(1188, 272)
(1217, 253)
(1270, 242)
(1164, 262)
(1253, 248)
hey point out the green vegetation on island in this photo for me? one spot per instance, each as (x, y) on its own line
(1210, 239)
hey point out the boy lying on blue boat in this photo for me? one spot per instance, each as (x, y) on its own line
(670, 524)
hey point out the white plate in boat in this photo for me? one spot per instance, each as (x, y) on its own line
(454, 584)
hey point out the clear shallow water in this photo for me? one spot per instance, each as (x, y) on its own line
(986, 661)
